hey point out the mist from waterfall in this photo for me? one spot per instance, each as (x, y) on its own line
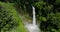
(34, 16)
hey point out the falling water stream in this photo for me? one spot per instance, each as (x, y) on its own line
(32, 27)
(34, 18)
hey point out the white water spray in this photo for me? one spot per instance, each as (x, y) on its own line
(34, 17)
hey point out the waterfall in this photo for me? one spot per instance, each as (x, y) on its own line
(34, 17)
(32, 27)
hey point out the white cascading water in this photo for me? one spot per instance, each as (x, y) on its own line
(32, 27)
(34, 17)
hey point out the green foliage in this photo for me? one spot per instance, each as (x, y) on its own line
(47, 11)
(57, 2)
(42, 18)
(8, 19)
(40, 5)
(48, 14)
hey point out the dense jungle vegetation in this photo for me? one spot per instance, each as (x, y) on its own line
(47, 14)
